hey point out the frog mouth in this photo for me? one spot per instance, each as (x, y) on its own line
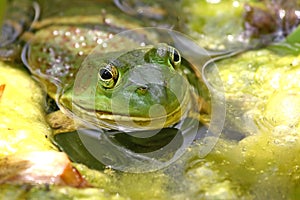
(115, 121)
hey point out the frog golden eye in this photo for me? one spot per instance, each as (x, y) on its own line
(175, 57)
(108, 76)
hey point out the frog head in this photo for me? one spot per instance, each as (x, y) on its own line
(141, 89)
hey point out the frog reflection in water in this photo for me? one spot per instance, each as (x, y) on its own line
(140, 89)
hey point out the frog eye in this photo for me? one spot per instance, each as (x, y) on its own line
(175, 57)
(108, 76)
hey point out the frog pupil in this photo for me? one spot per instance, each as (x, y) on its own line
(176, 57)
(105, 74)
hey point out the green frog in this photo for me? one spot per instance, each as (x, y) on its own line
(142, 88)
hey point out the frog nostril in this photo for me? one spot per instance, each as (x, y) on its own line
(142, 90)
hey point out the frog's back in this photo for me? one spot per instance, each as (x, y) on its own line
(57, 51)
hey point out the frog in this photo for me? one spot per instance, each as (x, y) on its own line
(152, 79)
